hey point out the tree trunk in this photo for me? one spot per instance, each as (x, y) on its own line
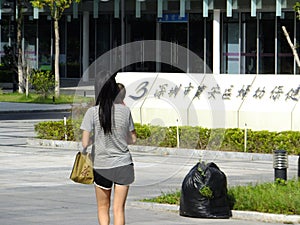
(296, 57)
(19, 48)
(56, 60)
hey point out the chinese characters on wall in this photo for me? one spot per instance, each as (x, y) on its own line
(214, 92)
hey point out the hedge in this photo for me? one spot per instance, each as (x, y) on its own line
(190, 137)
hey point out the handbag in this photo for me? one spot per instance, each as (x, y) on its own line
(82, 171)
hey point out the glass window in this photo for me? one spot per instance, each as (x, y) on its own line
(45, 34)
(62, 46)
(136, 32)
(285, 58)
(209, 44)
(196, 41)
(248, 45)
(73, 48)
(230, 46)
(102, 35)
(200, 42)
(30, 42)
(266, 43)
(175, 33)
(115, 42)
(6, 33)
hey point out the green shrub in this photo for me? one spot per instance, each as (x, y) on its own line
(192, 137)
(56, 130)
(152, 138)
(233, 140)
(189, 137)
(43, 82)
(143, 131)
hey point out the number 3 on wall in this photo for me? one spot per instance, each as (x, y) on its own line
(141, 90)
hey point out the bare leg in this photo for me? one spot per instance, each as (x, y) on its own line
(120, 195)
(103, 204)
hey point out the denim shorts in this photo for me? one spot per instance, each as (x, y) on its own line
(105, 178)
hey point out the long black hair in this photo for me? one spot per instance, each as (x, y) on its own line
(105, 100)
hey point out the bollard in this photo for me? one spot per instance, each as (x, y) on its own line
(65, 125)
(280, 164)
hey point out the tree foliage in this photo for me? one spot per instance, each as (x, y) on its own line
(297, 9)
(57, 8)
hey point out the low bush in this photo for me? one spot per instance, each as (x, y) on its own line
(56, 130)
(43, 82)
(193, 137)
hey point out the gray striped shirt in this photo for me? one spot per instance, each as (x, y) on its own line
(111, 150)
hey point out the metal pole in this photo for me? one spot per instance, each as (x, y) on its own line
(177, 134)
(245, 139)
(65, 124)
(299, 167)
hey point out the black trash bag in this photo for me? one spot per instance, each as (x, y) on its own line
(204, 193)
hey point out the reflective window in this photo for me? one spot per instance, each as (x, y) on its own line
(230, 45)
(285, 58)
(45, 27)
(73, 50)
(30, 42)
(248, 44)
(266, 43)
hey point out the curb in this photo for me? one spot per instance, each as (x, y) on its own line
(71, 145)
(202, 154)
(13, 107)
(241, 215)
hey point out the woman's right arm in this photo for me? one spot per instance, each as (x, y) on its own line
(85, 139)
(132, 138)
(87, 127)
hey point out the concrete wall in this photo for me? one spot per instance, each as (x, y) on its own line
(258, 102)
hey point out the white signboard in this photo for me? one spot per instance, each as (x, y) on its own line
(258, 102)
(218, 104)
(270, 102)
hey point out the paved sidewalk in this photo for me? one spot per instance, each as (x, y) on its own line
(35, 188)
(41, 192)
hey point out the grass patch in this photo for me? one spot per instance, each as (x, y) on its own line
(280, 197)
(36, 98)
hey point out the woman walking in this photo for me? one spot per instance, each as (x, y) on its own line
(111, 123)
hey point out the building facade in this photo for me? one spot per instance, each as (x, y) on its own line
(230, 36)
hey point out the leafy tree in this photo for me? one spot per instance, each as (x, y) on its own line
(57, 9)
